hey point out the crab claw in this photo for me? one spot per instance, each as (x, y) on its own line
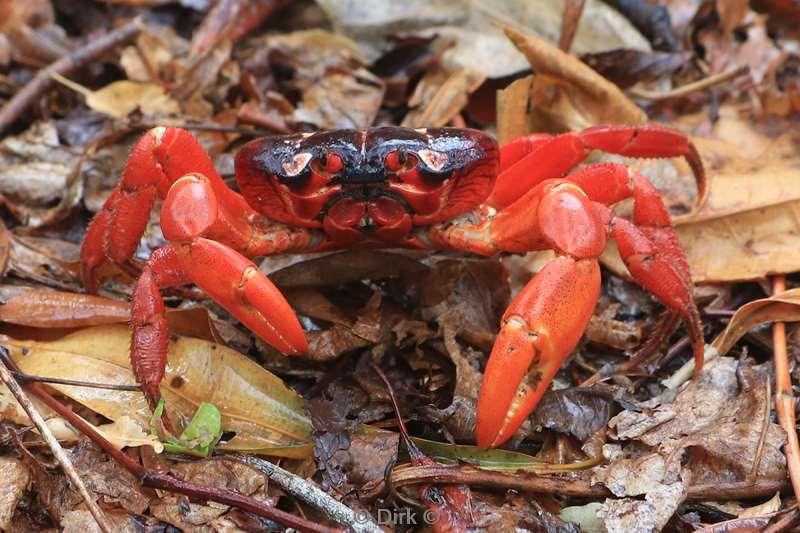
(236, 284)
(540, 328)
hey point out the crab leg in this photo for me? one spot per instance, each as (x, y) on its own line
(160, 157)
(191, 211)
(528, 161)
(648, 246)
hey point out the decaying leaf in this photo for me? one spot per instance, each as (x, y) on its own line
(39, 308)
(264, 414)
(121, 98)
(15, 476)
(716, 420)
(783, 307)
(439, 104)
(195, 516)
(38, 175)
(564, 94)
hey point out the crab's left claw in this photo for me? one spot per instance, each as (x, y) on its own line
(540, 328)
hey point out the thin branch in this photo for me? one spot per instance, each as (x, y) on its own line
(67, 64)
(27, 378)
(162, 481)
(583, 488)
(573, 9)
(58, 452)
(312, 495)
(689, 88)
(784, 399)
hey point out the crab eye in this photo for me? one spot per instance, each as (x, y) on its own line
(400, 161)
(327, 163)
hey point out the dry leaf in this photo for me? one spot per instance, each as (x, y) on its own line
(783, 307)
(39, 182)
(121, 98)
(49, 309)
(468, 30)
(564, 94)
(435, 108)
(770, 506)
(15, 476)
(266, 416)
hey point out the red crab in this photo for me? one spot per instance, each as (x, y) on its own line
(396, 187)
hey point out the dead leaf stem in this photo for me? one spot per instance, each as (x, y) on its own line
(312, 495)
(689, 88)
(58, 452)
(784, 399)
(67, 64)
(569, 23)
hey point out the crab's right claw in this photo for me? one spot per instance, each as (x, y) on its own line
(540, 328)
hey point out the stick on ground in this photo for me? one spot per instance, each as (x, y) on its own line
(67, 64)
(58, 452)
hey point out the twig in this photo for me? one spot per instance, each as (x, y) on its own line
(26, 378)
(73, 61)
(685, 372)
(55, 447)
(689, 88)
(663, 329)
(569, 23)
(312, 495)
(762, 439)
(582, 488)
(784, 399)
(162, 481)
(789, 520)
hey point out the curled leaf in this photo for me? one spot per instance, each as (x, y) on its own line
(783, 307)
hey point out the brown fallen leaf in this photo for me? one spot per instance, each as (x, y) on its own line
(216, 472)
(329, 72)
(47, 309)
(564, 94)
(629, 67)
(120, 98)
(344, 267)
(440, 96)
(231, 19)
(111, 484)
(39, 182)
(783, 307)
(716, 430)
(714, 427)
(15, 476)
(469, 30)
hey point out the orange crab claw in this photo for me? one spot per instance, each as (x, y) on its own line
(540, 328)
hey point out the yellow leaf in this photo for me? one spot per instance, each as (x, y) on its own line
(121, 98)
(266, 416)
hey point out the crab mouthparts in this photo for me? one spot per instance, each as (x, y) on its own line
(366, 214)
